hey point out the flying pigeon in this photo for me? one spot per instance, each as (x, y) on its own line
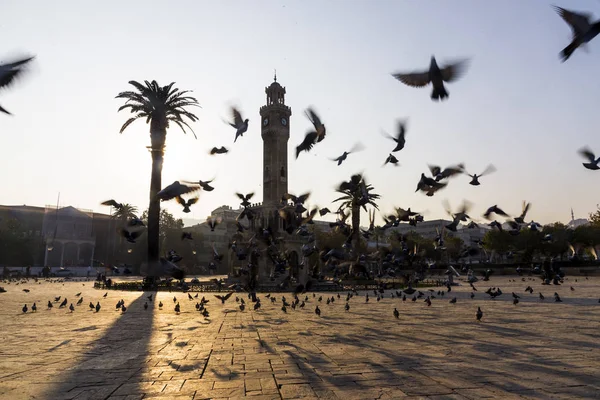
(436, 76)
(186, 204)
(240, 125)
(218, 150)
(9, 72)
(475, 178)
(583, 30)
(399, 139)
(175, 189)
(593, 161)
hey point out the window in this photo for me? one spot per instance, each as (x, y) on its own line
(283, 172)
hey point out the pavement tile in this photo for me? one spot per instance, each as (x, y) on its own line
(436, 352)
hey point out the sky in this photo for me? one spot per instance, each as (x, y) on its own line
(517, 107)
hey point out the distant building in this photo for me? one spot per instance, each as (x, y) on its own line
(578, 222)
(220, 237)
(574, 223)
(470, 235)
(67, 236)
(426, 229)
(431, 229)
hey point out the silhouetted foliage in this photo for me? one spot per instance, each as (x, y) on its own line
(159, 106)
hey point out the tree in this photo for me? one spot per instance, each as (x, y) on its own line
(16, 247)
(498, 241)
(356, 194)
(454, 246)
(595, 217)
(166, 223)
(126, 212)
(159, 105)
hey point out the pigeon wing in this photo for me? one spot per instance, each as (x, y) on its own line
(313, 117)
(237, 118)
(587, 153)
(180, 200)
(111, 203)
(415, 79)
(579, 22)
(454, 71)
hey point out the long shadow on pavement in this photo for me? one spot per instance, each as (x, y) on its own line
(114, 359)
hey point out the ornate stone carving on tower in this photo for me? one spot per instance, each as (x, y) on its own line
(275, 132)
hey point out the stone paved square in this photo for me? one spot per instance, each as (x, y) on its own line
(533, 350)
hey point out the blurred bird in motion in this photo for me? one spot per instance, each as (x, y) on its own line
(240, 124)
(174, 190)
(475, 178)
(583, 30)
(399, 138)
(593, 161)
(186, 204)
(9, 72)
(218, 150)
(436, 76)
(357, 147)
(314, 136)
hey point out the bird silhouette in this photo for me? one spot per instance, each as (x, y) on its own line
(521, 218)
(113, 203)
(9, 72)
(475, 178)
(312, 137)
(224, 298)
(494, 210)
(174, 190)
(218, 150)
(593, 161)
(245, 199)
(436, 76)
(400, 136)
(213, 222)
(582, 29)
(240, 124)
(130, 236)
(203, 184)
(391, 159)
(186, 204)
(357, 147)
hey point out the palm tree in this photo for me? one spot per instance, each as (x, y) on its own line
(357, 194)
(159, 105)
(122, 215)
(126, 212)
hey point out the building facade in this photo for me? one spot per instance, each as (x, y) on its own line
(63, 236)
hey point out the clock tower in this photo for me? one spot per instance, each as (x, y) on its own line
(275, 132)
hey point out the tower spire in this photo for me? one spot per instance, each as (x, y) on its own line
(572, 215)
(275, 75)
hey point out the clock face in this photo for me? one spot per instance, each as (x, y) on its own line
(265, 121)
(283, 121)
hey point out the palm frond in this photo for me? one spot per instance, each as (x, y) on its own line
(128, 122)
(165, 103)
(181, 124)
(138, 86)
(345, 198)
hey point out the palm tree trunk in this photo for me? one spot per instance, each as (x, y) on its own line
(355, 226)
(154, 209)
